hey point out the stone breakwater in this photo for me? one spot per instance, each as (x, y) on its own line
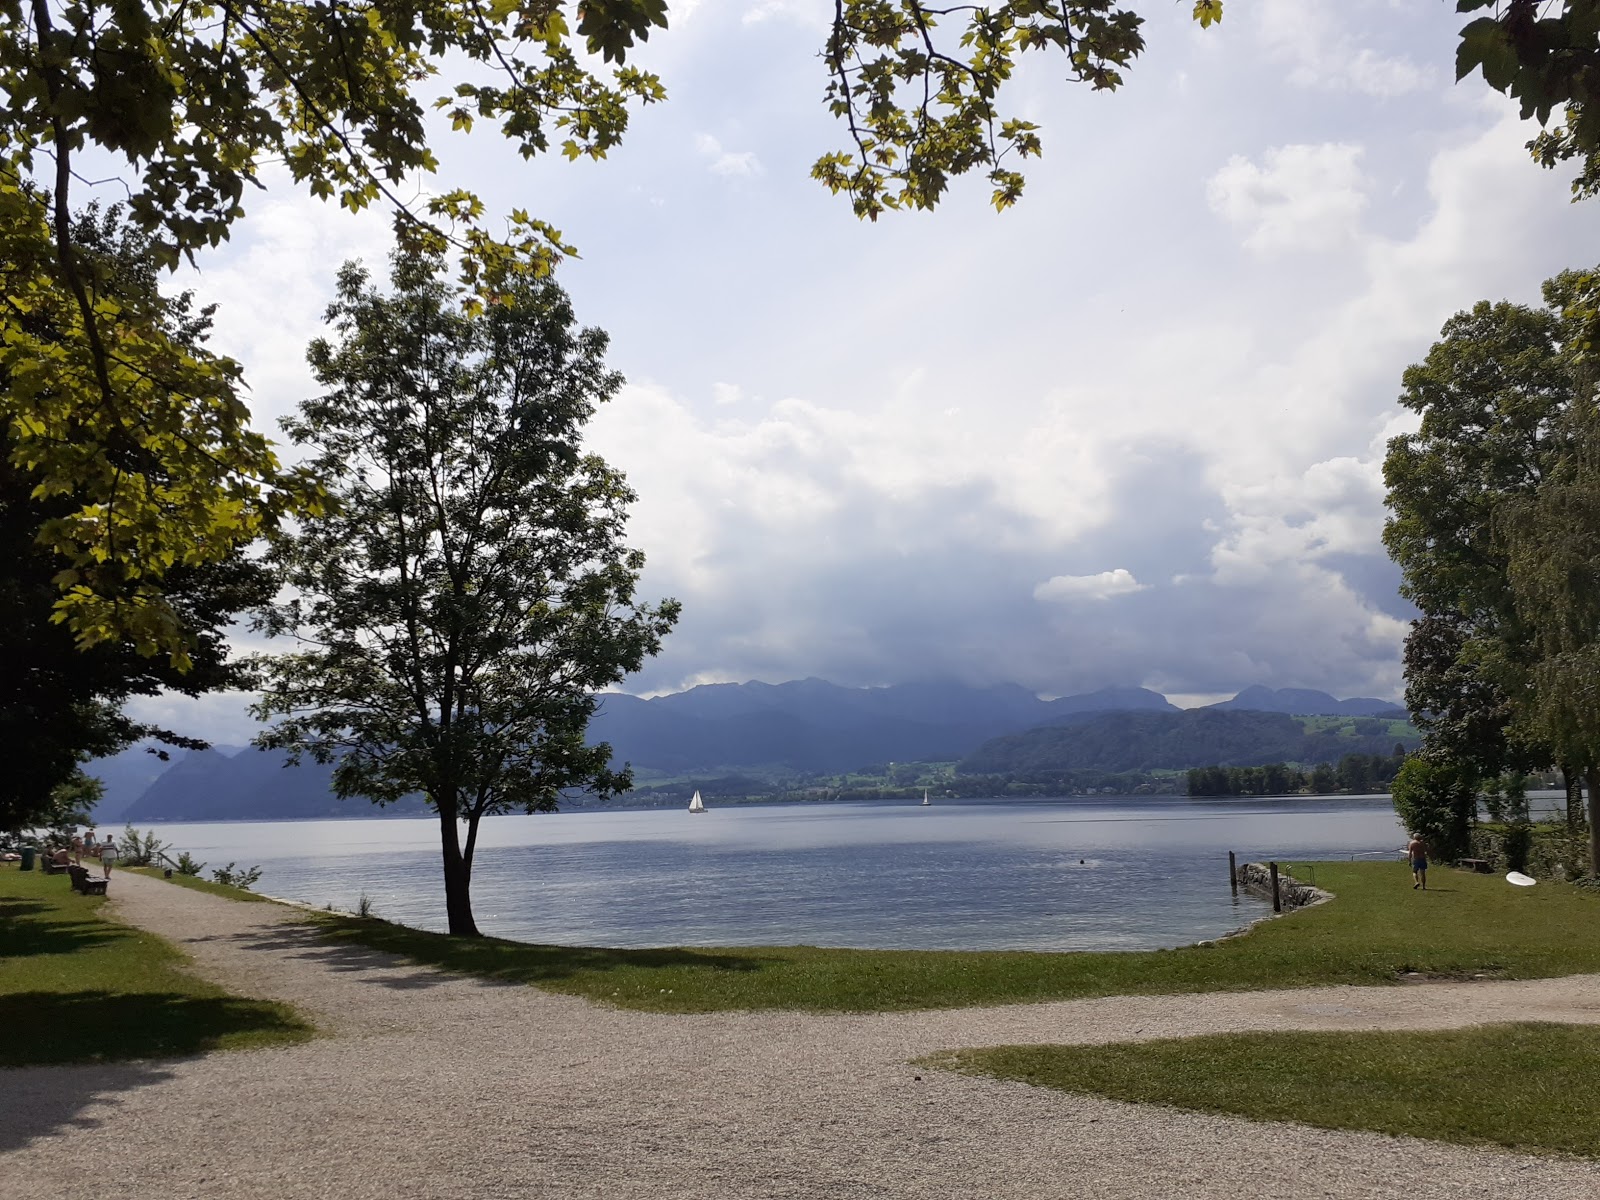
(1256, 878)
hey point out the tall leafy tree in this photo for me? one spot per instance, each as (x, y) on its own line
(1552, 540)
(470, 592)
(1498, 396)
(1490, 394)
(61, 703)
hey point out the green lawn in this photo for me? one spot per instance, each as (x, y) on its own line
(195, 883)
(75, 987)
(1528, 1086)
(1376, 930)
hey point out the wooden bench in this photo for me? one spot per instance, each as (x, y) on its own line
(1480, 865)
(83, 882)
(51, 867)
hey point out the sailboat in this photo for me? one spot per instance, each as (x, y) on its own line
(697, 805)
(924, 797)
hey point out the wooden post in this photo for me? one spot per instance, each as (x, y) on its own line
(1277, 902)
(1233, 874)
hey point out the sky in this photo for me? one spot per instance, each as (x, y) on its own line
(1127, 433)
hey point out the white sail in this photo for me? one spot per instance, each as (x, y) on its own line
(924, 795)
(697, 804)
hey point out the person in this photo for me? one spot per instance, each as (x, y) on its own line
(77, 849)
(108, 855)
(1417, 852)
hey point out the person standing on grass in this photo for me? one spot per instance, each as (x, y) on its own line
(1417, 852)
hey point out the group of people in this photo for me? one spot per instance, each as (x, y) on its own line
(105, 851)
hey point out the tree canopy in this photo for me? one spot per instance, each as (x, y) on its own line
(1488, 503)
(61, 703)
(459, 608)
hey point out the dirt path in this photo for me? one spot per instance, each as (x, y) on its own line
(433, 1086)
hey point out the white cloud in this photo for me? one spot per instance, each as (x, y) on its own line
(1066, 588)
(1302, 197)
(1305, 35)
(726, 162)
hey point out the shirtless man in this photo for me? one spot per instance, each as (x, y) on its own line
(1417, 852)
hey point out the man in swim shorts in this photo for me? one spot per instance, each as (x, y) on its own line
(1417, 852)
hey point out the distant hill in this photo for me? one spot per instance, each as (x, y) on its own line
(813, 725)
(1193, 738)
(805, 727)
(207, 785)
(1304, 702)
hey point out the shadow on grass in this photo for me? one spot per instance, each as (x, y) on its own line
(40, 1102)
(23, 935)
(355, 941)
(104, 1026)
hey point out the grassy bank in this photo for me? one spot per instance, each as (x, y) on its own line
(75, 987)
(1527, 1086)
(1377, 930)
(197, 884)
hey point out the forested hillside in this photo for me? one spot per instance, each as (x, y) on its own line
(1177, 741)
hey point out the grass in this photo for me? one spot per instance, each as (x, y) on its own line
(1377, 930)
(195, 883)
(75, 987)
(1529, 1086)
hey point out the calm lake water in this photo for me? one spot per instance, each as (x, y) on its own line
(1102, 873)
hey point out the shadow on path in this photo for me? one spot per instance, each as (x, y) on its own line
(351, 944)
(89, 1026)
(38, 1102)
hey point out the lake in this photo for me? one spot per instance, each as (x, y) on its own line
(1097, 873)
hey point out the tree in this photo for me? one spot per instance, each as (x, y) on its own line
(1552, 538)
(1438, 801)
(61, 703)
(470, 593)
(1490, 394)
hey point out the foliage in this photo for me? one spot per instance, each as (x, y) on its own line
(66, 806)
(471, 594)
(62, 701)
(235, 876)
(1411, 1083)
(1354, 773)
(75, 987)
(1547, 56)
(1143, 741)
(1376, 931)
(1437, 801)
(187, 864)
(1494, 394)
(139, 850)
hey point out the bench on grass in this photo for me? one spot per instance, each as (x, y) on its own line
(51, 867)
(1480, 865)
(83, 882)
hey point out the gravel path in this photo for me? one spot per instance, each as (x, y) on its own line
(438, 1087)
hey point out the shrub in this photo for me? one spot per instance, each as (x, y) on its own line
(233, 875)
(1438, 802)
(139, 851)
(187, 864)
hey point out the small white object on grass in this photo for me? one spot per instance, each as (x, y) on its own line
(1518, 878)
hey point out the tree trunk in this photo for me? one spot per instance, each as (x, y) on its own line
(457, 877)
(1574, 784)
(1592, 778)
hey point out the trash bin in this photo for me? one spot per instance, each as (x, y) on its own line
(27, 858)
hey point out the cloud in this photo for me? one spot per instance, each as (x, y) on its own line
(726, 162)
(1066, 588)
(1303, 197)
(1306, 36)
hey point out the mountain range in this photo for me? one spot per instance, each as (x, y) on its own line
(807, 726)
